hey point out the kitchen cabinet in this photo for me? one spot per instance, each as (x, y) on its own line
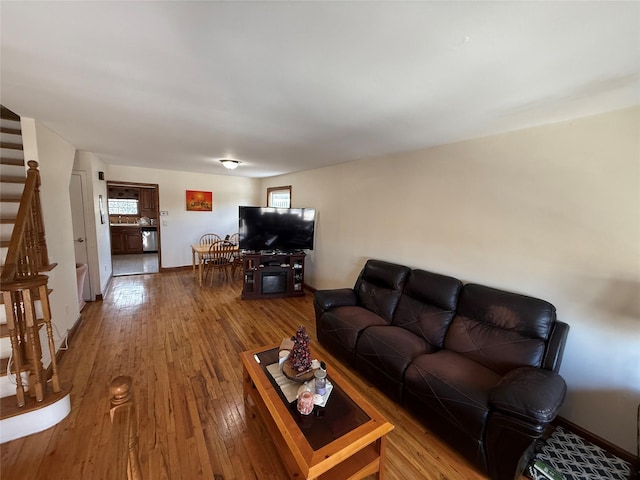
(117, 241)
(126, 239)
(147, 205)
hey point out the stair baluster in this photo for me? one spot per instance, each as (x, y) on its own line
(14, 335)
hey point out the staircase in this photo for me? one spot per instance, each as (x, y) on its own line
(32, 400)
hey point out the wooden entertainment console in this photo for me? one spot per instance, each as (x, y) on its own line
(273, 275)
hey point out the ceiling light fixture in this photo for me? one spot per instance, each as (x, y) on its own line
(230, 164)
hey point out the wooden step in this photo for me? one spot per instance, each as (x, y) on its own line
(10, 198)
(36, 294)
(9, 406)
(4, 333)
(8, 114)
(7, 220)
(3, 365)
(15, 162)
(11, 146)
(12, 179)
(11, 131)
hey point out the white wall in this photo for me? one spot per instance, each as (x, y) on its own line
(184, 228)
(55, 156)
(99, 238)
(551, 212)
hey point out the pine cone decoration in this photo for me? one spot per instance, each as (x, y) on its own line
(300, 357)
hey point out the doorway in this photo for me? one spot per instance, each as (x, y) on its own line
(79, 201)
(133, 223)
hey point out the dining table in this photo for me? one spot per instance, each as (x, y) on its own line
(199, 251)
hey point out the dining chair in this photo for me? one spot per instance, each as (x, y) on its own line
(220, 258)
(237, 256)
(208, 239)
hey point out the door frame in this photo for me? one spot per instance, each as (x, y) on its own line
(125, 183)
(89, 231)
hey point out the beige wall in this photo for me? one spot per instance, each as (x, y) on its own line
(55, 156)
(551, 212)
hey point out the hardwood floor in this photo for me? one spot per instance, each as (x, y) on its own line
(180, 343)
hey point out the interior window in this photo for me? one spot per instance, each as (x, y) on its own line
(279, 197)
(123, 206)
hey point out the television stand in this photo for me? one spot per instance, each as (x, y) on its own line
(273, 275)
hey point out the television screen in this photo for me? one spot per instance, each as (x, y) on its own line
(267, 228)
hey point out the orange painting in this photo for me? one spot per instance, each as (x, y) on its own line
(199, 201)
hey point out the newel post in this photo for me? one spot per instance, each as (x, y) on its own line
(122, 403)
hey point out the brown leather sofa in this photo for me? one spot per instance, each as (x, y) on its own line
(477, 365)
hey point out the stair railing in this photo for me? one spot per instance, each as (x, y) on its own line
(22, 287)
(27, 254)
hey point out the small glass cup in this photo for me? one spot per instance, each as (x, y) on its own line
(305, 402)
(320, 381)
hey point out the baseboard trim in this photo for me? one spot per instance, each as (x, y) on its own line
(175, 269)
(60, 353)
(599, 441)
(107, 287)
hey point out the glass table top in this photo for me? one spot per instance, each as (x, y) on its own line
(325, 424)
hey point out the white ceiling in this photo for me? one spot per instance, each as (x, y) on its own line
(288, 86)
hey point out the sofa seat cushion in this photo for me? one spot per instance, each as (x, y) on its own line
(390, 349)
(454, 387)
(339, 329)
(383, 353)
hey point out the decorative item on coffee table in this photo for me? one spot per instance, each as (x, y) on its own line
(298, 365)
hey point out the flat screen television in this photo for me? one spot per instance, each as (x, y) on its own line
(283, 229)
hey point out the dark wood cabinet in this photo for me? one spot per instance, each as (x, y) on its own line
(273, 275)
(117, 242)
(148, 205)
(133, 241)
(126, 240)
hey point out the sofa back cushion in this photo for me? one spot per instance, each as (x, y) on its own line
(427, 305)
(379, 286)
(500, 330)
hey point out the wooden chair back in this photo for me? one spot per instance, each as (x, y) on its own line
(233, 238)
(237, 256)
(220, 257)
(209, 238)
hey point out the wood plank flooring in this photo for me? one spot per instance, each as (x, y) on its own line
(180, 343)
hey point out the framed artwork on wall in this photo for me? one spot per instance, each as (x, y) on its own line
(199, 201)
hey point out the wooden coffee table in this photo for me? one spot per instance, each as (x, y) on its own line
(345, 439)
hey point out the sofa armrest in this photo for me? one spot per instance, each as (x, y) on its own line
(529, 393)
(555, 346)
(339, 297)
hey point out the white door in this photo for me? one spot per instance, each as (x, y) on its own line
(76, 195)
